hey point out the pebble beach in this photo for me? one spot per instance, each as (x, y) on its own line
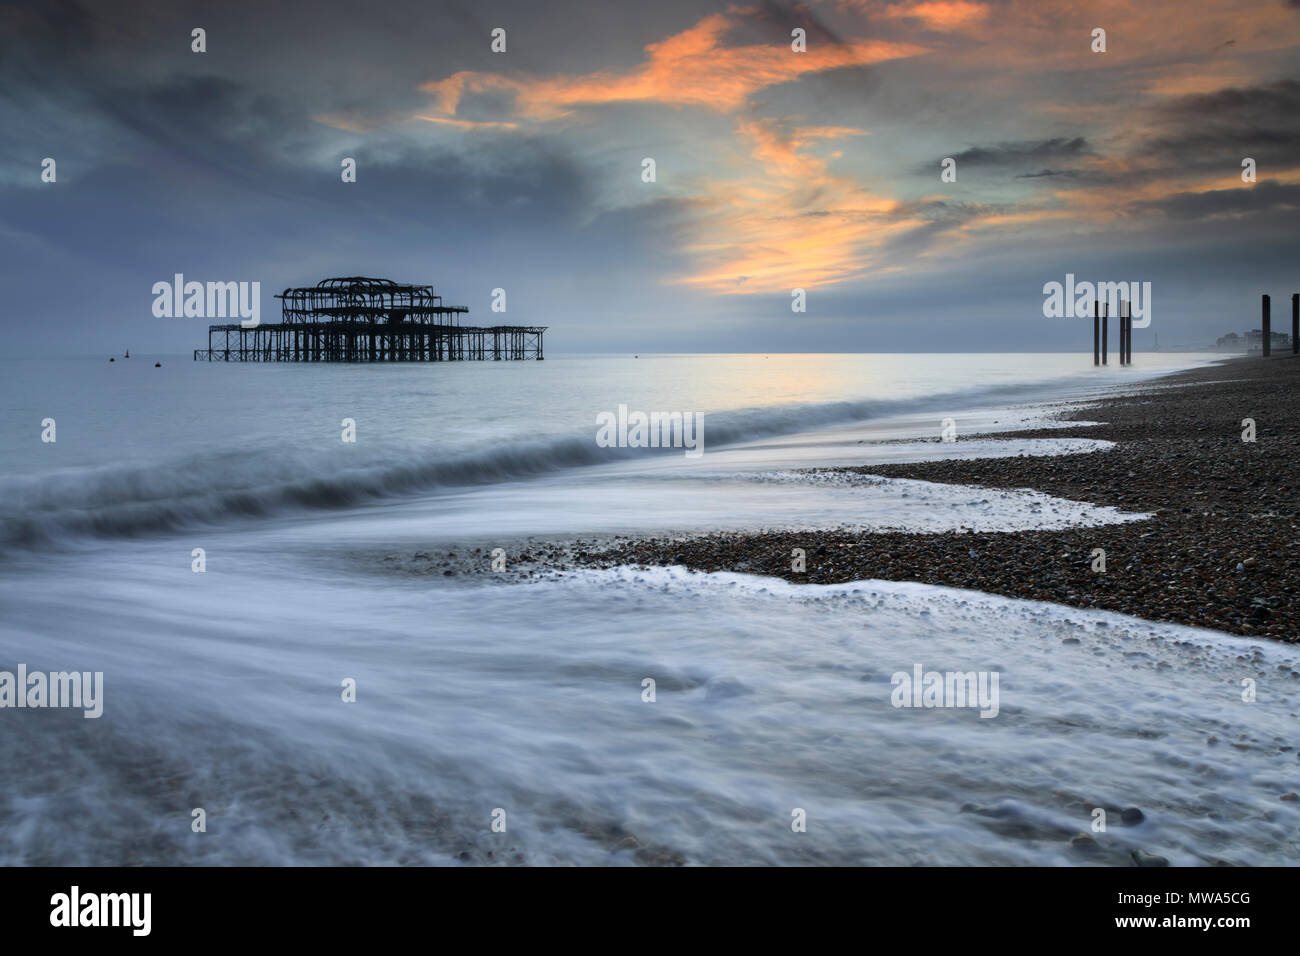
(1221, 548)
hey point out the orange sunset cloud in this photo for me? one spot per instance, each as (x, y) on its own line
(941, 14)
(792, 223)
(692, 68)
(766, 213)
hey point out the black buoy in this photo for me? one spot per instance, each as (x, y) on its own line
(157, 364)
(111, 359)
(128, 354)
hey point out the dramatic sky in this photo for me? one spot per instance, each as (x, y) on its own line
(775, 169)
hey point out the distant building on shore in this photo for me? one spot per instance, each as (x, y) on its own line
(1252, 340)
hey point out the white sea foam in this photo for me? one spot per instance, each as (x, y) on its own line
(770, 697)
(222, 690)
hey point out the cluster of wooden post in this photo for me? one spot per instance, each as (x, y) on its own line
(1101, 330)
(1266, 322)
(1101, 333)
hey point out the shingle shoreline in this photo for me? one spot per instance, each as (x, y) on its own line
(1221, 550)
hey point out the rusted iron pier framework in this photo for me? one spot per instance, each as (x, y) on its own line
(357, 319)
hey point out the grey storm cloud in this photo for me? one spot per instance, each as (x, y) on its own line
(1054, 174)
(226, 166)
(1262, 197)
(1032, 152)
(1260, 118)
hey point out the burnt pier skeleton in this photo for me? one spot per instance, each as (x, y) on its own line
(360, 319)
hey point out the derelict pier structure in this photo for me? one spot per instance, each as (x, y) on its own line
(358, 319)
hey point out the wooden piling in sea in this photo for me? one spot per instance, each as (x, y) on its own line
(1268, 332)
(1096, 332)
(1105, 330)
(1128, 333)
(1295, 323)
(1121, 333)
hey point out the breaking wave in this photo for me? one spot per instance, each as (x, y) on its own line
(133, 499)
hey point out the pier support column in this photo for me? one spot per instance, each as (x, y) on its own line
(1096, 332)
(1268, 331)
(1295, 323)
(1126, 333)
(1121, 333)
(1105, 330)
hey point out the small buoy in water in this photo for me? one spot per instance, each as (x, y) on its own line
(157, 364)
(111, 359)
(128, 354)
